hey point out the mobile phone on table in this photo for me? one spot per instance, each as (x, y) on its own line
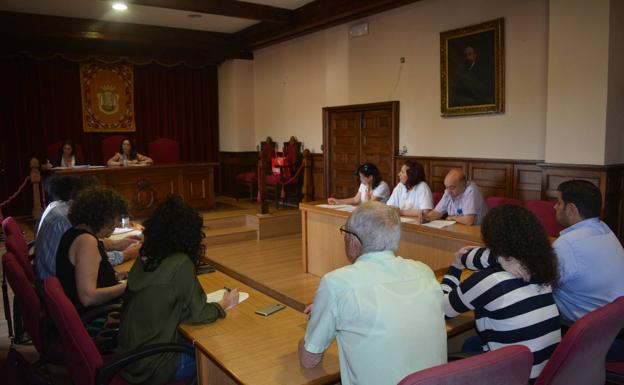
(205, 268)
(268, 310)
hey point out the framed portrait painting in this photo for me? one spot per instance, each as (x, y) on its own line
(472, 69)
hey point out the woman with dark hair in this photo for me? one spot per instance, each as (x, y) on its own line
(511, 291)
(82, 265)
(411, 196)
(128, 156)
(66, 156)
(372, 188)
(163, 292)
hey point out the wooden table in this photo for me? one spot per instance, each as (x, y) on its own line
(144, 187)
(246, 348)
(323, 245)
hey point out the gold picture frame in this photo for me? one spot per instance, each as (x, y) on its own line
(472, 69)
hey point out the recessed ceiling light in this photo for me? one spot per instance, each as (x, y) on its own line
(194, 15)
(118, 6)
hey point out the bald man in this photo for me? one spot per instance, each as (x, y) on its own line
(462, 200)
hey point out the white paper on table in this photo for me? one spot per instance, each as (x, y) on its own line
(335, 207)
(438, 224)
(409, 219)
(347, 208)
(216, 296)
(96, 166)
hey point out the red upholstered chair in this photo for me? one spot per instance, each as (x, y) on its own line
(510, 365)
(33, 313)
(249, 179)
(164, 151)
(545, 212)
(110, 146)
(580, 356)
(492, 202)
(9, 226)
(16, 244)
(437, 197)
(82, 359)
(289, 182)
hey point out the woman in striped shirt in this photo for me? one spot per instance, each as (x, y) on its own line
(511, 289)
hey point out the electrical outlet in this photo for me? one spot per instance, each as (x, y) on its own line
(402, 60)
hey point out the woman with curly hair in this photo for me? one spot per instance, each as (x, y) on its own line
(82, 265)
(511, 289)
(164, 292)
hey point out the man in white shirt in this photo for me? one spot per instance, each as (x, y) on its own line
(384, 311)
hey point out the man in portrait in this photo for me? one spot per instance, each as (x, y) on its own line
(471, 80)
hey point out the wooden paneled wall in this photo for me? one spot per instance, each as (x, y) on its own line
(521, 179)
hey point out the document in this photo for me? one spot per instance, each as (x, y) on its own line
(409, 219)
(347, 208)
(438, 224)
(216, 296)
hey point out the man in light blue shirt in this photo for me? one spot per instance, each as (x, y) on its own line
(591, 258)
(384, 311)
(462, 200)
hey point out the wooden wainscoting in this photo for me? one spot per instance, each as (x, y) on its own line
(521, 179)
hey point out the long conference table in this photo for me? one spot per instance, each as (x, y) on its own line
(144, 187)
(323, 244)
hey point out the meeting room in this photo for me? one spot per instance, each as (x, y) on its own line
(312, 192)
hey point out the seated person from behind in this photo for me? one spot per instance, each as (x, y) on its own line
(82, 266)
(591, 258)
(462, 200)
(54, 223)
(384, 311)
(411, 196)
(163, 292)
(128, 156)
(511, 291)
(372, 188)
(66, 157)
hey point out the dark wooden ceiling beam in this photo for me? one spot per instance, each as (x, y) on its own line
(314, 16)
(240, 9)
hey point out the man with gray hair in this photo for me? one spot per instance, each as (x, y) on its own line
(384, 311)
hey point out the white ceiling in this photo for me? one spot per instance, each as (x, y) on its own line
(138, 14)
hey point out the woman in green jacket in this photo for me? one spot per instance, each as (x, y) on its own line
(163, 292)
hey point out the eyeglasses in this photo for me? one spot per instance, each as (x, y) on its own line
(345, 231)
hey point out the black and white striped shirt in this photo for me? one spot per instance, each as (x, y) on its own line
(508, 311)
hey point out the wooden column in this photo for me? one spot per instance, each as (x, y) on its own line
(264, 207)
(308, 185)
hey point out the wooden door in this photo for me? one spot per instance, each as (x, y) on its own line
(356, 134)
(377, 146)
(344, 131)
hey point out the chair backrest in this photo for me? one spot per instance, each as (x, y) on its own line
(580, 356)
(493, 201)
(81, 355)
(164, 151)
(510, 365)
(32, 312)
(545, 212)
(9, 226)
(110, 146)
(293, 152)
(16, 244)
(437, 196)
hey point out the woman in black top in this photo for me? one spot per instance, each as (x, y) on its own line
(82, 266)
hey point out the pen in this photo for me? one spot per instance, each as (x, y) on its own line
(227, 289)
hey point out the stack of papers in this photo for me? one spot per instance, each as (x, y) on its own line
(216, 296)
(409, 219)
(348, 208)
(439, 224)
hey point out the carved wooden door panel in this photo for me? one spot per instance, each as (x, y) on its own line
(377, 145)
(344, 128)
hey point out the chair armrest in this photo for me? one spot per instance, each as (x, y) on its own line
(98, 311)
(106, 372)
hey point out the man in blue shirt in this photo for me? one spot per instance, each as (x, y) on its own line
(462, 200)
(591, 258)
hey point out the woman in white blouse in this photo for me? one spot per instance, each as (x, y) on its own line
(411, 195)
(371, 187)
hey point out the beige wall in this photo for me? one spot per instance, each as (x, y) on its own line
(614, 152)
(577, 81)
(236, 106)
(557, 62)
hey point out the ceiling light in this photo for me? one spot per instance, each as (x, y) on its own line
(118, 6)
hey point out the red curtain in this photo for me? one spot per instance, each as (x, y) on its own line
(40, 103)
